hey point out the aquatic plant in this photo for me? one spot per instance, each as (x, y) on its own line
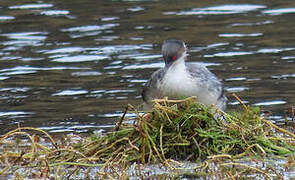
(175, 131)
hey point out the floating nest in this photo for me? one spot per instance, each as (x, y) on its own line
(175, 131)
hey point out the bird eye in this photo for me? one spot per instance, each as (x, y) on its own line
(174, 58)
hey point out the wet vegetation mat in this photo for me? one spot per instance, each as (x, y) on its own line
(177, 139)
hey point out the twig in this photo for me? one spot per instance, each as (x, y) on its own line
(240, 101)
(122, 118)
(28, 128)
(161, 141)
(75, 164)
(247, 166)
(278, 128)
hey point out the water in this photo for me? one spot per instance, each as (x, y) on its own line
(72, 66)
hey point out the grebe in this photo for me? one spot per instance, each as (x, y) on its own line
(179, 79)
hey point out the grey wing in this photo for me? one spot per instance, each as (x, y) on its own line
(210, 81)
(150, 91)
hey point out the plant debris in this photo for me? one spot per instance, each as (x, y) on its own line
(221, 145)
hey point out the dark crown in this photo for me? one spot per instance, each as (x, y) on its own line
(172, 50)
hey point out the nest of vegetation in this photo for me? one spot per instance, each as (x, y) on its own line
(174, 133)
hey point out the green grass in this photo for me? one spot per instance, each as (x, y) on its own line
(174, 131)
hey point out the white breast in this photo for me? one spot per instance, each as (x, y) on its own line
(178, 83)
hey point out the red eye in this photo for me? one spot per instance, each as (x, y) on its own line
(174, 58)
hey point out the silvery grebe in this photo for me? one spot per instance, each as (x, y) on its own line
(179, 79)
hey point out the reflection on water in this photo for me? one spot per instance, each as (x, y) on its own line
(73, 66)
(220, 10)
(279, 11)
(55, 12)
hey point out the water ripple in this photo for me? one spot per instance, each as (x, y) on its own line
(236, 79)
(7, 58)
(86, 73)
(113, 67)
(90, 28)
(31, 6)
(79, 128)
(28, 70)
(115, 49)
(6, 18)
(137, 80)
(253, 24)
(41, 45)
(219, 10)
(107, 38)
(236, 89)
(18, 72)
(144, 66)
(140, 56)
(16, 89)
(210, 46)
(119, 91)
(80, 58)
(65, 50)
(19, 44)
(240, 35)
(284, 76)
(288, 57)
(25, 39)
(136, 9)
(242, 53)
(70, 93)
(110, 18)
(3, 78)
(229, 54)
(55, 12)
(15, 114)
(118, 114)
(270, 103)
(30, 59)
(27, 35)
(274, 50)
(279, 11)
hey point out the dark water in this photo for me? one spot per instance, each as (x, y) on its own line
(74, 65)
